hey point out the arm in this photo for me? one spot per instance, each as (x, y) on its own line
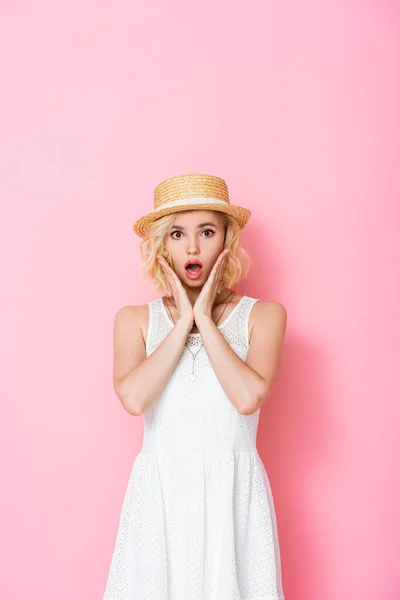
(139, 379)
(247, 384)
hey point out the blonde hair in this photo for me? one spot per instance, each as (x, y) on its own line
(237, 263)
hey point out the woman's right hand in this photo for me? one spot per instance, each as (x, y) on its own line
(182, 302)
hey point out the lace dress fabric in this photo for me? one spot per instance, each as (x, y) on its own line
(197, 519)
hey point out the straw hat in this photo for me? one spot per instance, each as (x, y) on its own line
(191, 192)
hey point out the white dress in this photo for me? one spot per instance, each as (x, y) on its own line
(197, 519)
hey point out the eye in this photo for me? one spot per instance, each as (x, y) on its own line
(172, 234)
(208, 230)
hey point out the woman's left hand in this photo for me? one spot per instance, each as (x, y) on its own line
(205, 300)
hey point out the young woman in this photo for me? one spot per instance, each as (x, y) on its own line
(198, 519)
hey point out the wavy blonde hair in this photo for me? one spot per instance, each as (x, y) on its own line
(237, 262)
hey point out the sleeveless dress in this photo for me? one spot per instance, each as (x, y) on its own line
(197, 519)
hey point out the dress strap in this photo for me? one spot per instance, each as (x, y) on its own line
(236, 326)
(158, 326)
(250, 303)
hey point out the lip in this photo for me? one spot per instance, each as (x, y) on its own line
(193, 261)
(193, 275)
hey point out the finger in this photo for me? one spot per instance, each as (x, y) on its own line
(168, 272)
(178, 287)
(217, 266)
(166, 266)
(220, 267)
(212, 284)
(175, 282)
(213, 279)
(222, 258)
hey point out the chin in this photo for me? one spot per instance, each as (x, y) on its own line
(194, 283)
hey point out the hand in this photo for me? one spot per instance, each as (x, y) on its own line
(182, 302)
(205, 300)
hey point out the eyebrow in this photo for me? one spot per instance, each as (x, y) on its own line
(198, 226)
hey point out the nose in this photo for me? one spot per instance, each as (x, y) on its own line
(192, 247)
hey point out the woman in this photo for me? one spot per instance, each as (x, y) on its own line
(198, 519)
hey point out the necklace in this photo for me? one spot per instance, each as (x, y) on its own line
(192, 375)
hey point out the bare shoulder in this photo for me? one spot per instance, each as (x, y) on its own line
(131, 316)
(272, 308)
(269, 314)
(131, 311)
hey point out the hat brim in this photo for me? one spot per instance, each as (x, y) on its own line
(242, 215)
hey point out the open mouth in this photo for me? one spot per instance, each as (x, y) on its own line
(193, 269)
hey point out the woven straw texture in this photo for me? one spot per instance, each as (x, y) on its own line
(188, 186)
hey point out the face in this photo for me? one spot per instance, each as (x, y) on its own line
(195, 234)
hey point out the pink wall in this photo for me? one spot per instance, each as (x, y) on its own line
(296, 105)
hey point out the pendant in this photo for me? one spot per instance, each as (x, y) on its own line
(192, 377)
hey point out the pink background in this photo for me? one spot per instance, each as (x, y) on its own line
(296, 105)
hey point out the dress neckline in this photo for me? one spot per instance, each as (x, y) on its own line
(218, 326)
